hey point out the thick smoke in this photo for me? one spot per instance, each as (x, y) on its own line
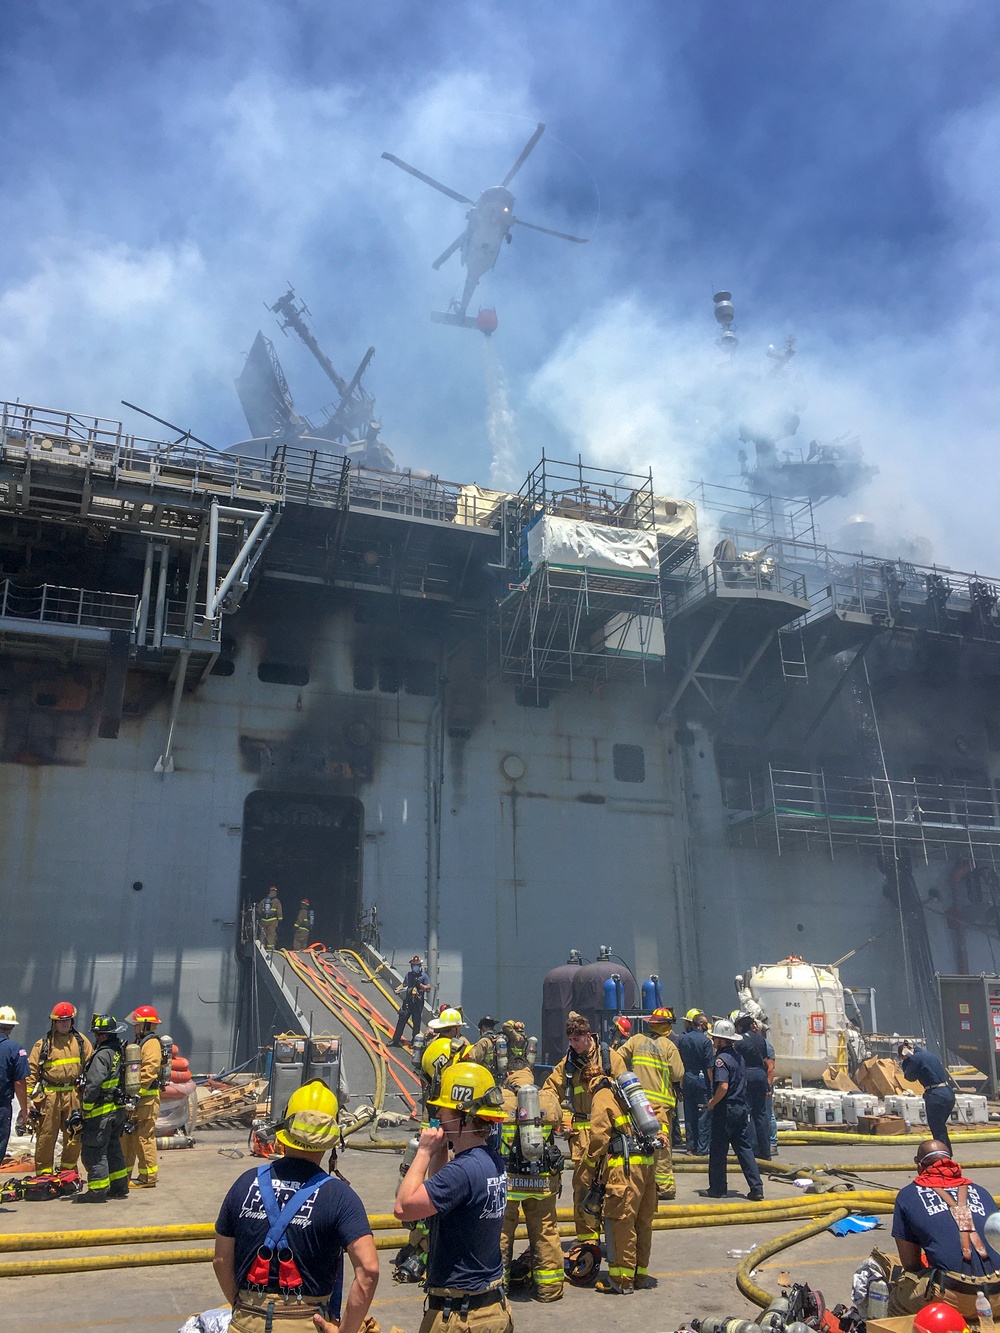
(136, 260)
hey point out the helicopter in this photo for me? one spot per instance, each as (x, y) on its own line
(489, 222)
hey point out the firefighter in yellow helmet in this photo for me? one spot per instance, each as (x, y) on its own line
(56, 1062)
(621, 1159)
(534, 1179)
(140, 1141)
(570, 1090)
(284, 1227)
(656, 1062)
(465, 1199)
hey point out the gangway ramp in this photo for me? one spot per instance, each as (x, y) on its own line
(322, 992)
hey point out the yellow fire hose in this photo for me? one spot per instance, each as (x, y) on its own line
(759, 1295)
(828, 1207)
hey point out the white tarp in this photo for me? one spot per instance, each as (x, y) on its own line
(568, 542)
(478, 506)
(675, 518)
(634, 636)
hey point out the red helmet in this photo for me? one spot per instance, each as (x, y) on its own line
(305, 902)
(143, 1013)
(940, 1317)
(624, 1025)
(63, 1010)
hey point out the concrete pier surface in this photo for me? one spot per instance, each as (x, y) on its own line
(694, 1275)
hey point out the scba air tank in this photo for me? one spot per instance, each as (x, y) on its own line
(529, 1126)
(131, 1082)
(643, 1119)
(652, 993)
(500, 1053)
(531, 1050)
(614, 993)
(417, 1049)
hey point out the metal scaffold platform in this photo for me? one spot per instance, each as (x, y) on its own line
(561, 620)
(782, 809)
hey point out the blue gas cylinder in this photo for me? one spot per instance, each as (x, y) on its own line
(614, 993)
(652, 993)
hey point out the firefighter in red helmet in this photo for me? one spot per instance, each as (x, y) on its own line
(56, 1062)
(140, 1142)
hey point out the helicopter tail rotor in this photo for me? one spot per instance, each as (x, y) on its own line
(525, 153)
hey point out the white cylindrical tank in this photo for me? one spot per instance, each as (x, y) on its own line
(804, 1004)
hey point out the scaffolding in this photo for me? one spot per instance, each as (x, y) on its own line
(784, 809)
(556, 623)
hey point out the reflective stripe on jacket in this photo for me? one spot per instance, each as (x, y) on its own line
(657, 1064)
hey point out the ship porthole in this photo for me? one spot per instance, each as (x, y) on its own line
(513, 767)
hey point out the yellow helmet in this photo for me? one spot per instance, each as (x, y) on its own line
(447, 1018)
(433, 1051)
(468, 1087)
(310, 1121)
(692, 1014)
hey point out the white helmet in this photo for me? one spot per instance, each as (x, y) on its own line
(725, 1030)
(7, 1016)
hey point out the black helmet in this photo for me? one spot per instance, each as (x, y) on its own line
(487, 1022)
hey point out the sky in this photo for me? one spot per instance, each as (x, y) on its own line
(170, 167)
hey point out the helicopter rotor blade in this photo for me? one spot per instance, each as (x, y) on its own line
(427, 180)
(450, 251)
(525, 151)
(563, 235)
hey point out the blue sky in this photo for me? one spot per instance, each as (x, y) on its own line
(169, 165)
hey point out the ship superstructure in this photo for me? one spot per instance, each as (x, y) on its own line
(505, 723)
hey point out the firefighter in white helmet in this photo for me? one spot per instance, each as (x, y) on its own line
(14, 1073)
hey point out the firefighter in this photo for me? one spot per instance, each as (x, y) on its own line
(533, 1184)
(140, 1142)
(730, 1116)
(413, 988)
(466, 1198)
(13, 1078)
(624, 1161)
(269, 918)
(102, 1116)
(484, 1052)
(303, 925)
(623, 1030)
(656, 1062)
(56, 1061)
(569, 1089)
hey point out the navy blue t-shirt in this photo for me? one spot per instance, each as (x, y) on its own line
(921, 1216)
(317, 1236)
(729, 1068)
(418, 982)
(13, 1067)
(470, 1195)
(697, 1052)
(922, 1067)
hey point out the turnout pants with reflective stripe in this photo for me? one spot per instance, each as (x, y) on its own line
(663, 1158)
(578, 1146)
(268, 932)
(102, 1154)
(141, 1143)
(487, 1319)
(543, 1237)
(629, 1209)
(56, 1108)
